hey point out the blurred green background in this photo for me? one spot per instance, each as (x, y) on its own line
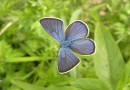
(28, 55)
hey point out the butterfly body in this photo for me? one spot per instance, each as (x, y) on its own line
(73, 40)
(65, 44)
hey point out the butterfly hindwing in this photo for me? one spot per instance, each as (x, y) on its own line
(54, 27)
(76, 30)
(66, 60)
(83, 46)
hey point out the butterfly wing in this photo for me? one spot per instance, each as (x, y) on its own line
(76, 30)
(66, 60)
(83, 46)
(54, 27)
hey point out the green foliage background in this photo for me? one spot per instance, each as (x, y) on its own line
(28, 55)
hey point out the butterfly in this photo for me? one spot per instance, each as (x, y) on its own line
(72, 41)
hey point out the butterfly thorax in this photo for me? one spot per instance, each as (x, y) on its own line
(67, 43)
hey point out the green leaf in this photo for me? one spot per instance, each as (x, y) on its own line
(125, 77)
(13, 87)
(94, 15)
(108, 62)
(24, 59)
(62, 88)
(90, 84)
(26, 86)
(75, 15)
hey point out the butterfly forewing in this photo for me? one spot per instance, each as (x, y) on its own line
(66, 60)
(83, 46)
(54, 27)
(76, 30)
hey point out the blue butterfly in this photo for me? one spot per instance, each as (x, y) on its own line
(73, 40)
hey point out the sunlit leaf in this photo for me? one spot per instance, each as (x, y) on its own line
(108, 60)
